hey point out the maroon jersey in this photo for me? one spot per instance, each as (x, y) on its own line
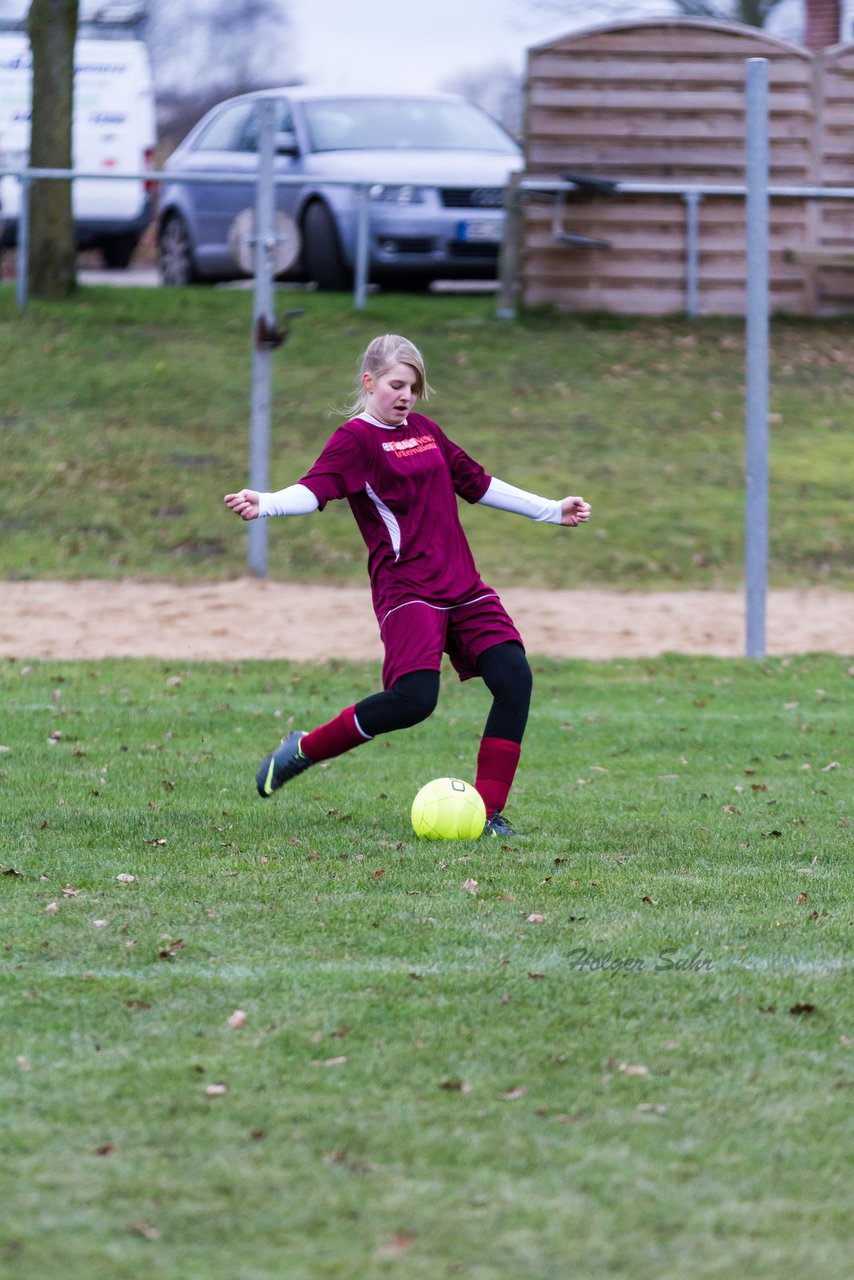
(402, 485)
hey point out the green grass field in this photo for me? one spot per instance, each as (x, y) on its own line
(652, 1081)
(125, 419)
(621, 1047)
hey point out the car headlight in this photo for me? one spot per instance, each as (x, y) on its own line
(403, 194)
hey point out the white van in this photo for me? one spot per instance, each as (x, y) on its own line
(113, 132)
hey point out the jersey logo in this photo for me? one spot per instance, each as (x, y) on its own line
(405, 448)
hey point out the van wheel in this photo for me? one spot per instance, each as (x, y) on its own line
(321, 250)
(118, 251)
(176, 252)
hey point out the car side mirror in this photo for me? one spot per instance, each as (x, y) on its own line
(286, 143)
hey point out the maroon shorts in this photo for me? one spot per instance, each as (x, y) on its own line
(416, 635)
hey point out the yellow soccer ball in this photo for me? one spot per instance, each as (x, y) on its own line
(448, 809)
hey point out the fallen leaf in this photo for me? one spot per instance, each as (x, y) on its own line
(10, 871)
(534, 918)
(23, 1062)
(156, 842)
(729, 808)
(144, 1229)
(216, 1090)
(397, 1247)
(455, 1086)
(633, 1069)
(51, 909)
(124, 878)
(167, 952)
(106, 1150)
(470, 886)
(68, 892)
(828, 768)
(801, 898)
(237, 1020)
(802, 1009)
(330, 1062)
(516, 1092)
(535, 976)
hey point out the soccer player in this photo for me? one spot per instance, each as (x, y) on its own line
(401, 476)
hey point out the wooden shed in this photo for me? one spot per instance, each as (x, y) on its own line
(663, 101)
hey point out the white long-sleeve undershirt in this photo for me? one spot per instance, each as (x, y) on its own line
(506, 497)
(298, 500)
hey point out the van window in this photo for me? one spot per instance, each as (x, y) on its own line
(230, 131)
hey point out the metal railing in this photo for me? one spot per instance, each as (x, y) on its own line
(692, 194)
(27, 176)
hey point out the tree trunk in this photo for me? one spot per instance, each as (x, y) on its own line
(52, 26)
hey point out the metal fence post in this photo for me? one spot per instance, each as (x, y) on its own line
(360, 281)
(508, 266)
(692, 252)
(259, 437)
(756, 310)
(22, 264)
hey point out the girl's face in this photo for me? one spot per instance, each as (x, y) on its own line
(391, 394)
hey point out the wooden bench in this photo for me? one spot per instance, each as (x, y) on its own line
(841, 259)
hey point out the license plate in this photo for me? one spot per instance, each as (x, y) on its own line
(482, 231)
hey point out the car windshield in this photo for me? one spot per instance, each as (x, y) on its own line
(387, 124)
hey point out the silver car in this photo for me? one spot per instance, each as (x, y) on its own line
(437, 168)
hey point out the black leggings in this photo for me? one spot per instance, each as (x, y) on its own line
(505, 672)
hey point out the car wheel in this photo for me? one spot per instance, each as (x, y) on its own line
(176, 252)
(118, 251)
(321, 250)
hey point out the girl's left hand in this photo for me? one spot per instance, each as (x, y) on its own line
(574, 511)
(244, 504)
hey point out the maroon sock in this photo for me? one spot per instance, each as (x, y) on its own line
(496, 768)
(333, 739)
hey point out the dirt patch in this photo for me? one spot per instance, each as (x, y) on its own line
(246, 618)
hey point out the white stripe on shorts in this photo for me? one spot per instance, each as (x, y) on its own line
(440, 608)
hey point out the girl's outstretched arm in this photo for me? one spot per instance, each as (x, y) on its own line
(506, 497)
(296, 500)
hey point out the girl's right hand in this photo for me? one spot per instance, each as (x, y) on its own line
(245, 504)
